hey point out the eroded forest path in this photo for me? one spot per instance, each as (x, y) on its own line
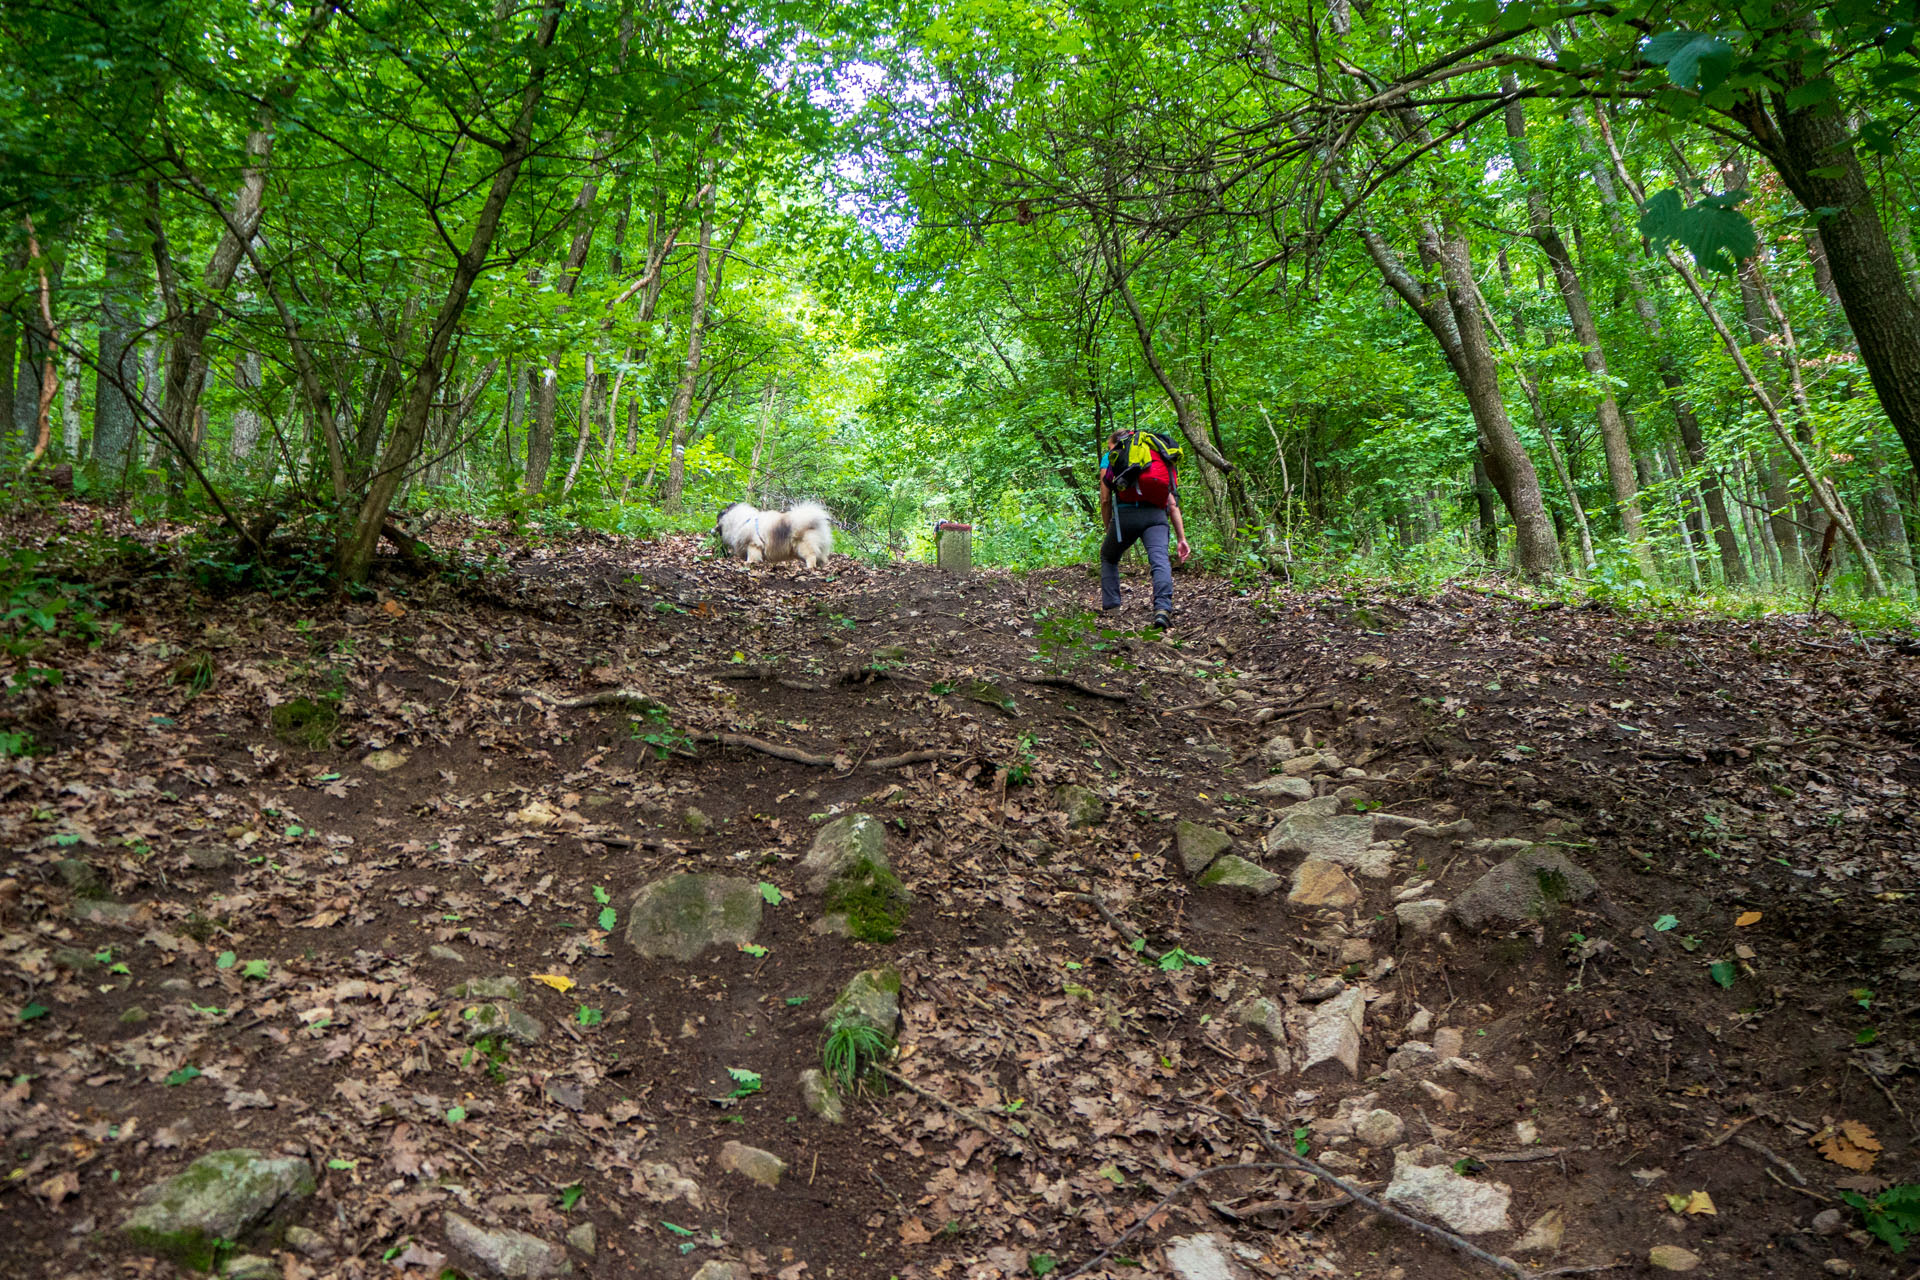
(1597, 913)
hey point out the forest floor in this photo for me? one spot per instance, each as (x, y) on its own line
(216, 934)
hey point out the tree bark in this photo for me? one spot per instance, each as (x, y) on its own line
(546, 406)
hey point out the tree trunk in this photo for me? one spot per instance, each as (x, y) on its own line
(1573, 295)
(1813, 149)
(760, 439)
(585, 431)
(1483, 498)
(682, 406)
(1889, 529)
(246, 418)
(29, 386)
(357, 548)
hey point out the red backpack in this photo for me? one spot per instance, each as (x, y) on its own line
(1140, 467)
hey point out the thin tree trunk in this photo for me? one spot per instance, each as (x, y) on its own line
(682, 407)
(1573, 295)
(585, 430)
(760, 438)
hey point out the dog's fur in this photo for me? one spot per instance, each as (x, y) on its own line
(804, 533)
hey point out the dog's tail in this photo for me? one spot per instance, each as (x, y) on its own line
(810, 515)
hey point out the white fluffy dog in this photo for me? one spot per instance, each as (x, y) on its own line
(804, 533)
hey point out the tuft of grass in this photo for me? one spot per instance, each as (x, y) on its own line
(849, 1051)
(306, 722)
(194, 673)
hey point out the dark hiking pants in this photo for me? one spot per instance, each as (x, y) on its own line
(1148, 527)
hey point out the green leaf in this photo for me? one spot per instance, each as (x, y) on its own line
(745, 1081)
(677, 1230)
(588, 1017)
(753, 949)
(570, 1196)
(1806, 95)
(1665, 923)
(339, 1163)
(1723, 972)
(601, 896)
(1042, 1264)
(256, 969)
(608, 918)
(1713, 229)
(798, 1000)
(226, 961)
(1692, 60)
(183, 1075)
(34, 1010)
(770, 894)
(456, 1113)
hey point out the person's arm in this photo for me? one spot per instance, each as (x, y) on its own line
(1179, 528)
(1106, 502)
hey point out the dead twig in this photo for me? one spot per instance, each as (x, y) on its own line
(1119, 926)
(1251, 1117)
(1524, 1157)
(973, 1118)
(774, 749)
(1765, 1152)
(1811, 1195)
(1067, 682)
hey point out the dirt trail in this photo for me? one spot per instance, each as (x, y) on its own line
(247, 927)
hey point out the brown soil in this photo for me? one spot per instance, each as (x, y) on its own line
(1703, 770)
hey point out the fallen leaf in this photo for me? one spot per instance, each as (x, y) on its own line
(1747, 918)
(1699, 1202)
(913, 1231)
(558, 981)
(1850, 1144)
(393, 608)
(58, 1187)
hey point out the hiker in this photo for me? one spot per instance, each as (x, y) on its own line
(1139, 495)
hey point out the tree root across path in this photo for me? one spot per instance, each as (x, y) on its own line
(634, 700)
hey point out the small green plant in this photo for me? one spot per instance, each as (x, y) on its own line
(850, 1050)
(1020, 773)
(745, 1083)
(492, 1049)
(194, 673)
(1179, 958)
(658, 731)
(15, 743)
(1891, 1215)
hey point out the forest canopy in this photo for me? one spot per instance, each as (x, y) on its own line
(1622, 292)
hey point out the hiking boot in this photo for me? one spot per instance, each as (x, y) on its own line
(1162, 620)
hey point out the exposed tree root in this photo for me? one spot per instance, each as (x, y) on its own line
(1067, 682)
(632, 699)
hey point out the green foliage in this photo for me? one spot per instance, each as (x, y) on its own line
(655, 727)
(1713, 230)
(307, 722)
(1891, 1215)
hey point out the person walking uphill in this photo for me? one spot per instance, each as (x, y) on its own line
(1139, 497)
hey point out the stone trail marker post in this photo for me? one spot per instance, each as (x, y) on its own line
(953, 547)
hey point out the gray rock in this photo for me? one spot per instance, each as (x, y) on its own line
(504, 987)
(1230, 871)
(495, 1019)
(1378, 1128)
(1467, 1205)
(1198, 846)
(237, 1195)
(715, 1269)
(1414, 1055)
(1278, 750)
(1449, 1042)
(445, 954)
(821, 1097)
(1318, 829)
(753, 1163)
(251, 1266)
(1264, 1014)
(80, 877)
(1828, 1222)
(682, 915)
(1303, 766)
(385, 761)
(566, 1093)
(1082, 807)
(1522, 891)
(307, 1241)
(1319, 883)
(584, 1238)
(133, 1015)
(696, 822)
(504, 1252)
(871, 999)
(1323, 989)
(78, 959)
(1504, 847)
(118, 915)
(1332, 1041)
(1671, 1257)
(841, 847)
(1201, 1257)
(1543, 1234)
(1281, 785)
(1421, 916)
(208, 857)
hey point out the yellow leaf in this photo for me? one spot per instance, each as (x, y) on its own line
(1676, 1202)
(1747, 918)
(1701, 1202)
(1850, 1144)
(1859, 1135)
(558, 981)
